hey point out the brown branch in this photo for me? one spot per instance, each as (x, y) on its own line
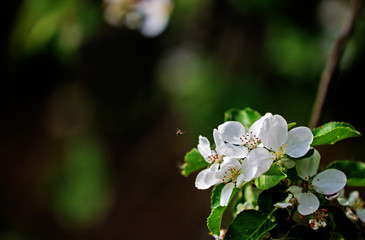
(333, 62)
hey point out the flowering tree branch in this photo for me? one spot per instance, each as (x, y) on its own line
(333, 61)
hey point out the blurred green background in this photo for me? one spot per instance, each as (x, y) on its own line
(90, 112)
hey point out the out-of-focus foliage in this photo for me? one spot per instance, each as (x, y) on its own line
(80, 155)
(80, 191)
(63, 24)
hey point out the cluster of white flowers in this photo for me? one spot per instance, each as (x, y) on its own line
(353, 204)
(241, 156)
(150, 17)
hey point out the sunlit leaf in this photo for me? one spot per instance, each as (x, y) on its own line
(193, 162)
(246, 116)
(215, 218)
(333, 132)
(250, 224)
(270, 178)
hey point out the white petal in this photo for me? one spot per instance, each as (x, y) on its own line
(260, 158)
(286, 203)
(233, 151)
(204, 147)
(307, 167)
(283, 205)
(295, 190)
(308, 203)
(232, 131)
(211, 176)
(256, 126)
(353, 196)
(226, 193)
(299, 140)
(206, 178)
(274, 132)
(200, 180)
(329, 181)
(360, 212)
(247, 173)
(217, 139)
(230, 162)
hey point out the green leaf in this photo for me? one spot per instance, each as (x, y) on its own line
(250, 224)
(270, 178)
(333, 132)
(268, 198)
(215, 218)
(355, 171)
(246, 116)
(193, 162)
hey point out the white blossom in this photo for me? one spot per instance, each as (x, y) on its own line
(328, 182)
(275, 136)
(353, 202)
(234, 173)
(207, 177)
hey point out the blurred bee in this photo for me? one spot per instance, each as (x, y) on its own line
(179, 132)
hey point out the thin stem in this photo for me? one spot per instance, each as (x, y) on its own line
(333, 61)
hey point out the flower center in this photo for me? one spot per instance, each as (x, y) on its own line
(359, 203)
(319, 219)
(231, 174)
(215, 158)
(280, 153)
(250, 141)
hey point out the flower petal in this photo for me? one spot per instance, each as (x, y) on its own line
(226, 193)
(207, 178)
(353, 196)
(247, 173)
(307, 167)
(360, 212)
(295, 190)
(256, 126)
(260, 158)
(286, 203)
(308, 203)
(274, 132)
(204, 147)
(299, 140)
(232, 131)
(233, 151)
(329, 181)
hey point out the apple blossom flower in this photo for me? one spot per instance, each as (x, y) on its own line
(206, 178)
(271, 132)
(234, 172)
(353, 202)
(238, 139)
(329, 183)
(275, 136)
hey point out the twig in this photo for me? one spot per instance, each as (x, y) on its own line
(333, 61)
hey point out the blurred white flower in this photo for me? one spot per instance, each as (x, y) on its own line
(353, 202)
(150, 17)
